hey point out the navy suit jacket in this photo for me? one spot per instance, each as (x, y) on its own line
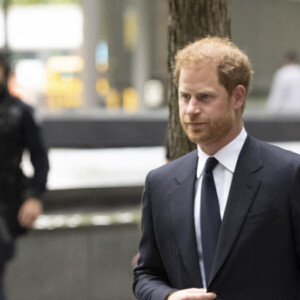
(258, 250)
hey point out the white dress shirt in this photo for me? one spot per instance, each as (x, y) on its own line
(223, 172)
(284, 96)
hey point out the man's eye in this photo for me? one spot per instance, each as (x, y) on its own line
(204, 97)
(185, 96)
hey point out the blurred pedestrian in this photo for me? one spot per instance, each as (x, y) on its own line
(20, 197)
(284, 96)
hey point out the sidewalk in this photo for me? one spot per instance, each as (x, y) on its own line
(84, 168)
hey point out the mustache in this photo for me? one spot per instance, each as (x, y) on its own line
(189, 119)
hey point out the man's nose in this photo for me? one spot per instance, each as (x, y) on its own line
(194, 107)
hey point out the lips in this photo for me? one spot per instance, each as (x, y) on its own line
(195, 123)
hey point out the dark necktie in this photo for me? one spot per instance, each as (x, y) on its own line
(210, 216)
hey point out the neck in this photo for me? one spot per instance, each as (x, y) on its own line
(213, 148)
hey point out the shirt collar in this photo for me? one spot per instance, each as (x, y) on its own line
(227, 156)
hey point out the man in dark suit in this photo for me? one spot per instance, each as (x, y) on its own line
(230, 230)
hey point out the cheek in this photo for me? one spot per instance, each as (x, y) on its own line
(220, 110)
(182, 109)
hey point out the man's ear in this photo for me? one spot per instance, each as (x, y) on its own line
(239, 96)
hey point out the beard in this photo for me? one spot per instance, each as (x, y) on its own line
(211, 131)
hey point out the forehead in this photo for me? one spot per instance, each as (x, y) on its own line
(200, 74)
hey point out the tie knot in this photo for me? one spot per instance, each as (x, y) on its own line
(210, 164)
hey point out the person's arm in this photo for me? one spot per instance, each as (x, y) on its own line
(34, 142)
(295, 212)
(29, 211)
(150, 279)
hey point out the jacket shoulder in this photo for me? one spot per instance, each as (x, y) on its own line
(21, 104)
(176, 167)
(276, 156)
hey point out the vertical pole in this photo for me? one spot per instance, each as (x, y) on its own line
(142, 64)
(91, 13)
(5, 31)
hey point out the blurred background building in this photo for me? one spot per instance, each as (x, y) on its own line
(81, 55)
(87, 54)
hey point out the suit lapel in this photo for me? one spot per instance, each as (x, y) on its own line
(182, 212)
(242, 193)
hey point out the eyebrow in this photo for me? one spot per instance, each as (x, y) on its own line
(205, 91)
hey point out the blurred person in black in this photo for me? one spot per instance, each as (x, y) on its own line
(20, 197)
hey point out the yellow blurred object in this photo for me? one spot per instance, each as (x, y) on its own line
(130, 99)
(102, 87)
(113, 99)
(130, 29)
(64, 87)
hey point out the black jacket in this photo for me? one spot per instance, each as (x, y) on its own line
(258, 250)
(19, 132)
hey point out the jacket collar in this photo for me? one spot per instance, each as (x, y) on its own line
(244, 187)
